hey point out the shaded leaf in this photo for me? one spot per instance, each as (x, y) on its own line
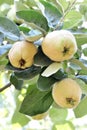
(45, 83)
(60, 74)
(28, 73)
(41, 59)
(1, 38)
(9, 29)
(16, 82)
(36, 102)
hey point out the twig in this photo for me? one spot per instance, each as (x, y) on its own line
(5, 87)
(66, 12)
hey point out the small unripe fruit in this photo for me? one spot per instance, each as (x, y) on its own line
(21, 54)
(59, 45)
(67, 93)
(40, 116)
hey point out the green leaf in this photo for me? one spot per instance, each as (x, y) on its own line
(82, 77)
(83, 8)
(9, 28)
(45, 83)
(41, 59)
(6, 1)
(28, 73)
(52, 14)
(78, 63)
(36, 102)
(20, 5)
(64, 125)
(34, 19)
(58, 114)
(24, 29)
(60, 74)
(1, 38)
(18, 117)
(81, 109)
(32, 35)
(57, 4)
(64, 4)
(83, 85)
(81, 38)
(84, 51)
(4, 49)
(72, 19)
(3, 62)
(52, 69)
(16, 82)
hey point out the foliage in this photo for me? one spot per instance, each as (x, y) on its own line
(31, 21)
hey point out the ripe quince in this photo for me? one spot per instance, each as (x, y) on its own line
(67, 93)
(21, 54)
(59, 45)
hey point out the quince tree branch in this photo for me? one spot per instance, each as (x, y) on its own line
(65, 13)
(5, 87)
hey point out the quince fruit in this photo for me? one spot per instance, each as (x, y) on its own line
(21, 54)
(67, 93)
(59, 45)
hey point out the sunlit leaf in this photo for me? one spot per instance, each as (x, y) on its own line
(81, 38)
(51, 69)
(72, 19)
(19, 117)
(81, 109)
(6, 1)
(34, 19)
(58, 114)
(65, 125)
